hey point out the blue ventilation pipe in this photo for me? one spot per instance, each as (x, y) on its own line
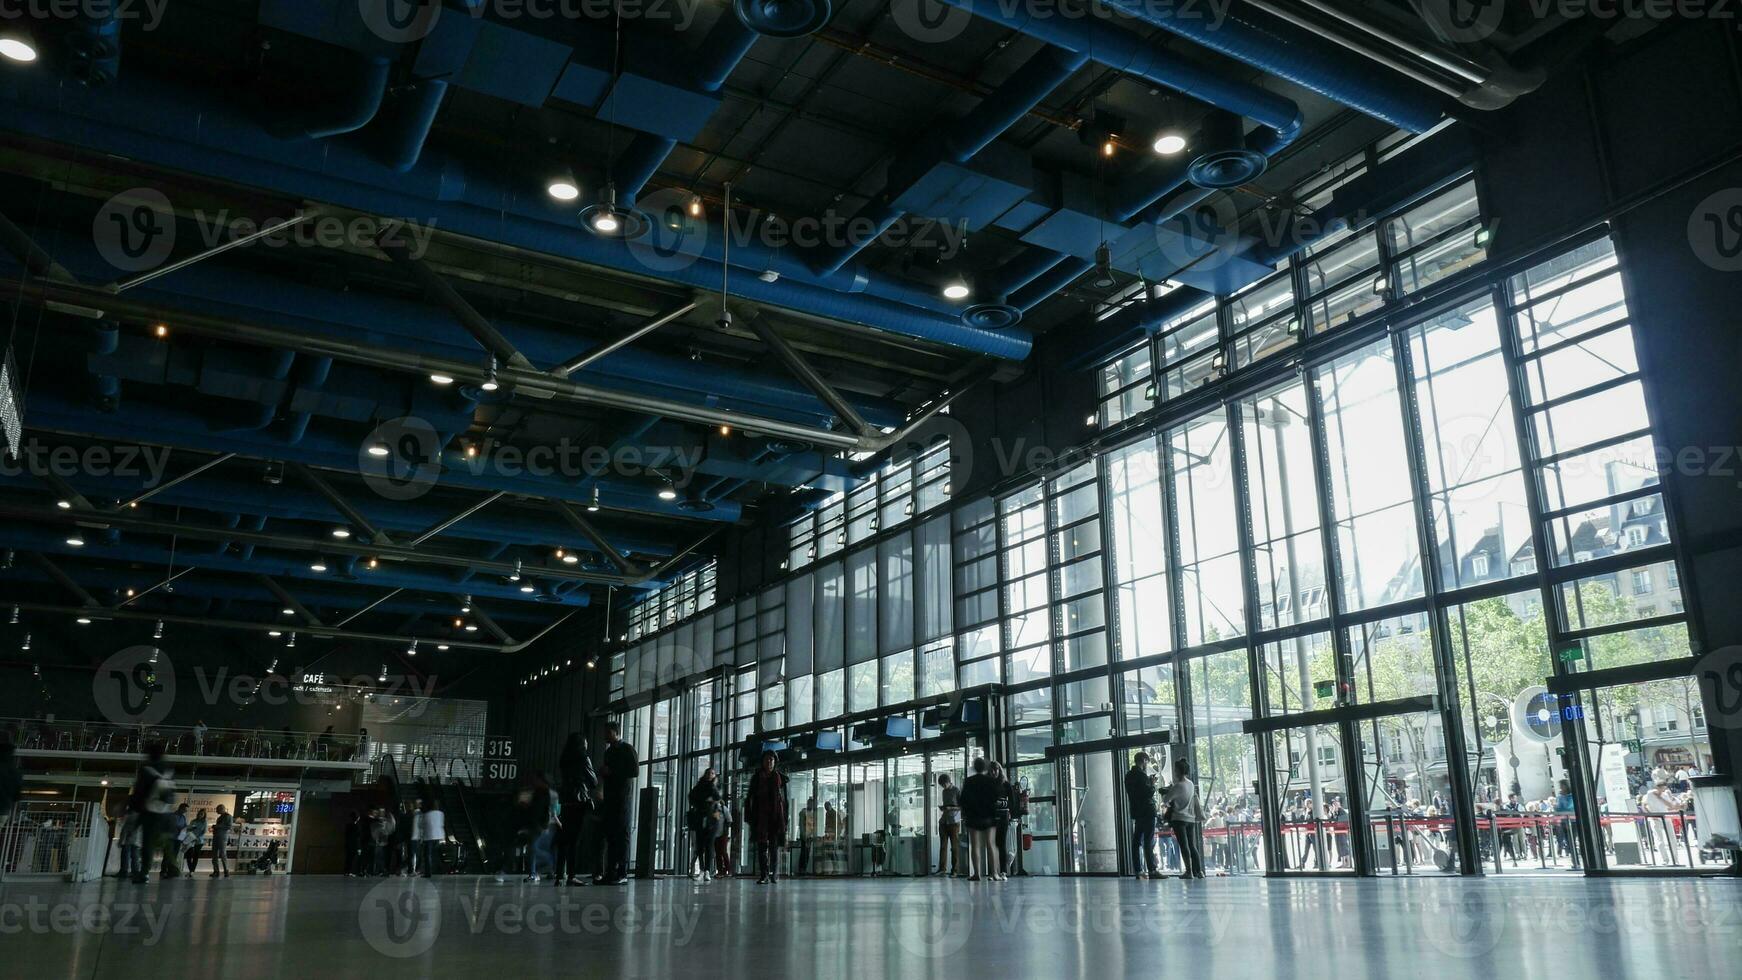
(357, 109)
(1027, 87)
(174, 127)
(403, 136)
(725, 45)
(389, 575)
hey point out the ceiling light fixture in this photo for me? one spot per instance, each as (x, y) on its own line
(18, 47)
(76, 541)
(1104, 267)
(274, 632)
(669, 491)
(1170, 143)
(471, 627)
(341, 533)
(441, 379)
(592, 502)
(571, 558)
(466, 605)
(157, 631)
(26, 641)
(83, 620)
(608, 219)
(695, 206)
(317, 566)
(527, 589)
(490, 382)
(379, 450)
(441, 646)
(64, 504)
(562, 186)
(515, 577)
(160, 331)
(957, 288)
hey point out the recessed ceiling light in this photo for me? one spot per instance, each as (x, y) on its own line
(77, 541)
(668, 492)
(527, 589)
(17, 48)
(64, 504)
(441, 646)
(341, 533)
(288, 612)
(956, 289)
(318, 566)
(1167, 144)
(84, 620)
(378, 449)
(471, 627)
(562, 188)
(442, 379)
(571, 558)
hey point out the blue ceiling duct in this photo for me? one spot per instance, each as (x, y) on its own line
(188, 130)
(391, 575)
(187, 427)
(403, 136)
(356, 110)
(221, 290)
(724, 46)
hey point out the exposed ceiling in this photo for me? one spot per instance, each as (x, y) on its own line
(989, 146)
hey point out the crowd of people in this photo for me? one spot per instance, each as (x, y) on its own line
(405, 841)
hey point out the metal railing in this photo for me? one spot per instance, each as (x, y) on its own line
(104, 737)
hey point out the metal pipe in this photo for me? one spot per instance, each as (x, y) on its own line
(1372, 54)
(183, 478)
(457, 518)
(370, 606)
(252, 627)
(802, 370)
(164, 584)
(340, 504)
(581, 524)
(468, 316)
(579, 362)
(1461, 67)
(164, 270)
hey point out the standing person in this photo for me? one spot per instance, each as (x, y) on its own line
(807, 835)
(1185, 817)
(765, 809)
(129, 837)
(617, 792)
(1140, 802)
(541, 815)
(431, 831)
(381, 828)
(153, 792)
(578, 782)
(196, 838)
(174, 838)
(704, 821)
(221, 843)
(949, 826)
(355, 832)
(413, 820)
(977, 795)
(200, 737)
(1002, 792)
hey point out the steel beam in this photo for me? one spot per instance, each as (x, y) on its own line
(808, 375)
(580, 361)
(468, 316)
(581, 524)
(291, 602)
(252, 627)
(343, 506)
(183, 478)
(443, 525)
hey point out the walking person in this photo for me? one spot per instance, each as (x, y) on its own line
(579, 784)
(221, 842)
(196, 838)
(541, 827)
(704, 822)
(1140, 803)
(765, 808)
(381, 829)
(129, 838)
(1185, 816)
(807, 835)
(977, 796)
(617, 793)
(1002, 794)
(404, 837)
(728, 835)
(949, 826)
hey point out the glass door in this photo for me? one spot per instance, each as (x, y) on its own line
(1411, 820)
(1089, 789)
(907, 841)
(1312, 792)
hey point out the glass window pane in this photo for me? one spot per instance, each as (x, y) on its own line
(1392, 658)
(1288, 554)
(1209, 541)
(1369, 478)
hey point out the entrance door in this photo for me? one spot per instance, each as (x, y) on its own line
(906, 839)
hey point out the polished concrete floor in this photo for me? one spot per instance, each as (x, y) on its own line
(320, 928)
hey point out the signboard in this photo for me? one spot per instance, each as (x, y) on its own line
(499, 762)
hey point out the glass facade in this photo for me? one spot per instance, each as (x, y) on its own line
(1392, 604)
